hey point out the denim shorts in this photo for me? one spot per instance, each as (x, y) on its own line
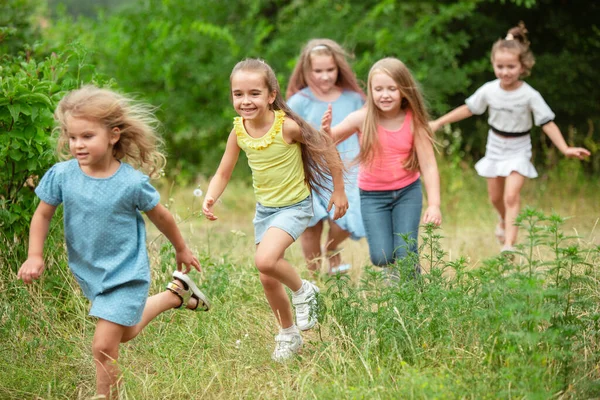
(292, 219)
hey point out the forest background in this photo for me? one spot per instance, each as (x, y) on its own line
(178, 55)
(486, 333)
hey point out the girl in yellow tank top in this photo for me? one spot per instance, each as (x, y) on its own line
(277, 170)
(288, 158)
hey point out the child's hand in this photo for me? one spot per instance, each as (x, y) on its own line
(207, 206)
(432, 215)
(340, 201)
(186, 258)
(31, 269)
(434, 125)
(578, 152)
(326, 120)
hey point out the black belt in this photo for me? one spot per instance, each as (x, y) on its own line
(509, 134)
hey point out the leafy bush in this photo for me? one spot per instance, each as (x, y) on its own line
(29, 92)
(31, 84)
(179, 54)
(18, 29)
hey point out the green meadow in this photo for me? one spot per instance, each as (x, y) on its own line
(474, 325)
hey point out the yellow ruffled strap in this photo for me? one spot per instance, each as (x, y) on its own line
(264, 141)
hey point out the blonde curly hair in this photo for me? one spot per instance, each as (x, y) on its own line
(139, 143)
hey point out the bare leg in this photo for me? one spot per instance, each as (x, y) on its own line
(269, 258)
(275, 272)
(105, 349)
(512, 203)
(335, 237)
(278, 300)
(109, 335)
(311, 246)
(496, 195)
(155, 305)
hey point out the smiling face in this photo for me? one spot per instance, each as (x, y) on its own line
(507, 68)
(250, 94)
(90, 142)
(385, 93)
(323, 73)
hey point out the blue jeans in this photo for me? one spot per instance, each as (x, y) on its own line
(386, 216)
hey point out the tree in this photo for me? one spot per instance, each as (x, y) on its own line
(179, 54)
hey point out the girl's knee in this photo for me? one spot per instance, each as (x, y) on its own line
(103, 349)
(265, 263)
(495, 198)
(381, 260)
(512, 199)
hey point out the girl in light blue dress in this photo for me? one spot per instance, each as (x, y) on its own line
(103, 133)
(321, 77)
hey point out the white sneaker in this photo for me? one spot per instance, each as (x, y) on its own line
(306, 306)
(286, 346)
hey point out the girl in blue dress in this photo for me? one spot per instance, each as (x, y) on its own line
(321, 77)
(107, 136)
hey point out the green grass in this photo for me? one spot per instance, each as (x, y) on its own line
(475, 326)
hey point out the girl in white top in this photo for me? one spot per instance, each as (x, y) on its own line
(510, 103)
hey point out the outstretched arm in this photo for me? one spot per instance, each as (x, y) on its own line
(431, 178)
(219, 182)
(33, 267)
(458, 114)
(342, 131)
(164, 221)
(553, 132)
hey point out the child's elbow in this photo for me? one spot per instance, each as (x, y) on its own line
(223, 175)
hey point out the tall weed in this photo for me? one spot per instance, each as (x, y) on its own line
(525, 325)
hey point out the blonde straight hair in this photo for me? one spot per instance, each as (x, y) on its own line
(411, 100)
(139, 143)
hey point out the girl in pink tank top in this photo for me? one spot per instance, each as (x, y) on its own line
(396, 149)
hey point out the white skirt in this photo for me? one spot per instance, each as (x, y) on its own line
(505, 155)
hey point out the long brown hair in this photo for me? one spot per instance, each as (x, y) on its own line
(346, 78)
(139, 143)
(412, 100)
(319, 154)
(517, 42)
